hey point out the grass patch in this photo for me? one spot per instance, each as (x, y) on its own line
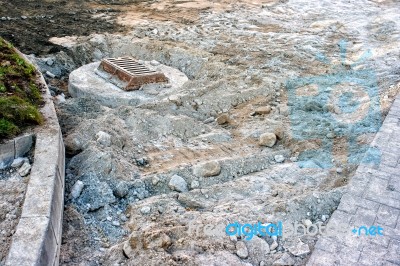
(20, 96)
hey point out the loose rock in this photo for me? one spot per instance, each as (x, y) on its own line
(285, 260)
(103, 138)
(49, 74)
(222, 119)
(25, 169)
(267, 139)
(156, 240)
(279, 158)
(175, 99)
(145, 210)
(154, 63)
(121, 190)
(307, 222)
(17, 163)
(209, 120)
(177, 183)
(241, 250)
(77, 189)
(49, 62)
(207, 169)
(115, 223)
(194, 184)
(263, 110)
(258, 249)
(299, 249)
(273, 246)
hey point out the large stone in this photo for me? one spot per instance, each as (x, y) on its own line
(258, 250)
(25, 169)
(207, 169)
(96, 194)
(263, 110)
(73, 144)
(103, 138)
(241, 250)
(77, 189)
(132, 244)
(192, 201)
(156, 240)
(222, 119)
(175, 99)
(177, 183)
(17, 163)
(299, 249)
(285, 260)
(283, 109)
(145, 210)
(279, 158)
(267, 139)
(121, 189)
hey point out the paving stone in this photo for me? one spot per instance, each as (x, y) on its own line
(389, 159)
(384, 199)
(394, 183)
(393, 233)
(349, 203)
(328, 245)
(377, 185)
(393, 255)
(347, 256)
(388, 169)
(364, 217)
(387, 216)
(367, 172)
(322, 258)
(372, 198)
(358, 184)
(373, 255)
(380, 240)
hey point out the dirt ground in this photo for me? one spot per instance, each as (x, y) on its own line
(29, 24)
(32, 23)
(12, 193)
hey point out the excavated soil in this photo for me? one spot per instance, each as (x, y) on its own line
(135, 192)
(29, 24)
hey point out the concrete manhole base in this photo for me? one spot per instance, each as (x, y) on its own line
(84, 82)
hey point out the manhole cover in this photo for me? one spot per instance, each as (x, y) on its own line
(130, 73)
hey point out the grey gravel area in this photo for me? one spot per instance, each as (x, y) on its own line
(12, 193)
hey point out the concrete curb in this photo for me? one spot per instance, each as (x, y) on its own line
(37, 238)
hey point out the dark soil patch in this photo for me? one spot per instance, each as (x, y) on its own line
(29, 24)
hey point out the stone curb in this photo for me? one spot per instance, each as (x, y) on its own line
(37, 238)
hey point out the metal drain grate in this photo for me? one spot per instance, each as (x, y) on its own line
(131, 73)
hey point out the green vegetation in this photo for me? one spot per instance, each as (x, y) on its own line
(20, 96)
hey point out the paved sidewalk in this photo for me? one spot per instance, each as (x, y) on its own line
(372, 199)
